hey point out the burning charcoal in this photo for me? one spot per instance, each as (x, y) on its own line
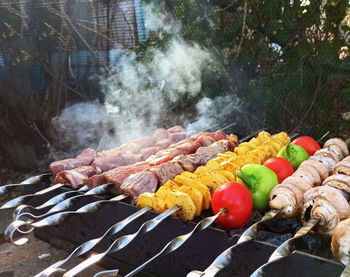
(278, 239)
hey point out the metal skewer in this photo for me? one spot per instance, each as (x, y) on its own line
(25, 198)
(173, 245)
(224, 258)
(19, 211)
(54, 219)
(286, 248)
(30, 181)
(122, 241)
(87, 246)
(61, 206)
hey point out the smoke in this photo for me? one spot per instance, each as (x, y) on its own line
(140, 92)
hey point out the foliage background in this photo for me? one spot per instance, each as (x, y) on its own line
(288, 61)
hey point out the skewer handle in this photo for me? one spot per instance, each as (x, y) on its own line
(179, 241)
(24, 198)
(55, 219)
(87, 246)
(122, 242)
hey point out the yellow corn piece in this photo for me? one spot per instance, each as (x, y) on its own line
(181, 180)
(171, 184)
(254, 142)
(263, 135)
(220, 178)
(205, 192)
(230, 166)
(189, 175)
(241, 150)
(200, 170)
(230, 176)
(177, 198)
(260, 154)
(269, 149)
(195, 195)
(148, 199)
(253, 159)
(251, 146)
(219, 159)
(212, 165)
(209, 180)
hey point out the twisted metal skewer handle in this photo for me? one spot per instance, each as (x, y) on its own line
(286, 248)
(87, 246)
(122, 242)
(29, 181)
(19, 211)
(179, 241)
(56, 218)
(224, 258)
(24, 198)
(70, 201)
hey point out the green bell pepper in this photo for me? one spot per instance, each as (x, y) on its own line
(259, 180)
(293, 153)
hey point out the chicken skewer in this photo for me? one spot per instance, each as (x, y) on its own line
(294, 188)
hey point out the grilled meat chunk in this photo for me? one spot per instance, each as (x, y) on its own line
(84, 158)
(138, 183)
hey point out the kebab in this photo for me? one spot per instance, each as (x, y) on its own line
(15, 202)
(286, 199)
(179, 198)
(54, 219)
(75, 174)
(324, 207)
(169, 193)
(206, 179)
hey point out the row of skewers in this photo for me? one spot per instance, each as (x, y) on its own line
(194, 189)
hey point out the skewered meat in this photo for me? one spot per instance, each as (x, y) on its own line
(327, 203)
(125, 154)
(117, 175)
(341, 242)
(146, 182)
(168, 170)
(84, 158)
(75, 177)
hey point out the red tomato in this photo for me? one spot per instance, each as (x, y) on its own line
(281, 166)
(308, 143)
(236, 198)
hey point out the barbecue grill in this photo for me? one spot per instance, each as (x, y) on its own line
(196, 254)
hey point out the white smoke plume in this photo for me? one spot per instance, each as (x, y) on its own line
(138, 93)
